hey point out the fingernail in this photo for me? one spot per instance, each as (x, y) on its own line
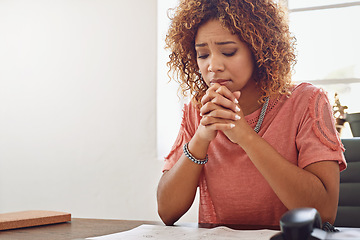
(237, 109)
(232, 125)
(237, 117)
(236, 101)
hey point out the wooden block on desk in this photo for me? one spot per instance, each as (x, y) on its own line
(31, 218)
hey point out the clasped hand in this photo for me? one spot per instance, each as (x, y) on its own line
(221, 111)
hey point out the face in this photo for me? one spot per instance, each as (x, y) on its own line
(222, 58)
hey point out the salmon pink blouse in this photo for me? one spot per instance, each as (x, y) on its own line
(232, 191)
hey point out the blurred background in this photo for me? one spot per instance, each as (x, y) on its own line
(87, 112)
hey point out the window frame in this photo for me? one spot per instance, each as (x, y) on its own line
(334, 81)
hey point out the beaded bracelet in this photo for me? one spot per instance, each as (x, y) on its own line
(192, 158)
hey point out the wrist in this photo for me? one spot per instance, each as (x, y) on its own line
(192, 158)
(198, 147)
(199, 141)
(248, 139)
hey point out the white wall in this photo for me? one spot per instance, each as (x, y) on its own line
(78, 107)
(169, 102)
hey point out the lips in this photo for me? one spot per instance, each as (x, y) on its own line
(220, 81)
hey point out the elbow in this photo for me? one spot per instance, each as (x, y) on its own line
(165, 212)
(328, 212)
(167, 219)
(328, 216)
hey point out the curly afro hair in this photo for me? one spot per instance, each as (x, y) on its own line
(261, 24)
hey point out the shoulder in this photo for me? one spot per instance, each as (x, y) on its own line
(306, 90)
(306, 95)
(318, 112)
(190, 116)
(191, 110)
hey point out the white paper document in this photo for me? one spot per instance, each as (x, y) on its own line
(187, 233)
(344, 234)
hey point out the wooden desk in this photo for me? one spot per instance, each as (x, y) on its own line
(83, 228)
(77, 228)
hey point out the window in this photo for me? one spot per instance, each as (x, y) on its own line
(327, 43)
(327, 46)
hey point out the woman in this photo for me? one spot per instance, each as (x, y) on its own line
(255, 144)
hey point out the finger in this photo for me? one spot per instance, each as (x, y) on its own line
(237, 95)
(212, 110)
(224, 91)
(215, 102)
(222, 96)
(207, 108)
(210, 120)
(206, 98)
(220, 126)
(210, 94)
(221, 101)
(211, 106)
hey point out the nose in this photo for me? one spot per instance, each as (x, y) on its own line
(215, 64)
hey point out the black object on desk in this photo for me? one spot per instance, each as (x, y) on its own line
(303, 224)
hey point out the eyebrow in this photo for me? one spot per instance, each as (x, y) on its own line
(217, 43)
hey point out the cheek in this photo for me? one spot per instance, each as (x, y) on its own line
(204, 73)
(201, 66)
(251, 63)
(244, 68)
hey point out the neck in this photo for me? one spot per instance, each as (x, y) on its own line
(249, 105)
(249, 99)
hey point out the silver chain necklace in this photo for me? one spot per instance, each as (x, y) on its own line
(262, 115)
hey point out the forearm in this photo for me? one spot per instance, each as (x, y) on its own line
(177, 187)
(294, 186)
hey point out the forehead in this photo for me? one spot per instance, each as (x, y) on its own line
(214, 31)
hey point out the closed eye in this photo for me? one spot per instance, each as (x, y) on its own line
(230, 54)
(204, 56)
